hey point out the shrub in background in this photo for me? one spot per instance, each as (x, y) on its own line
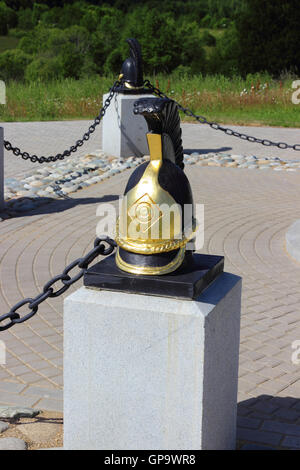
(44, 70)
(13, 64)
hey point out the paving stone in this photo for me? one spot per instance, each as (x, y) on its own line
(44, 392)
(12, 443)
(17, 412)
(11, 387)
(48, 404)
(265, 406)
(3, 426)
(14, 399)
(292, 442)
(262, 437)
(284, 428)
(255, 447)
(40, 431)
(250, 423)
(287, 414)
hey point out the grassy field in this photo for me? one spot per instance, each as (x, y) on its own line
(258, 100)
(8, 42)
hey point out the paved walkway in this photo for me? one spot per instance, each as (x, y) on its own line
(39, 137)
(246, 216)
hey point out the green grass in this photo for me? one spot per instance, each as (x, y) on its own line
(265, 101)
(8, 42)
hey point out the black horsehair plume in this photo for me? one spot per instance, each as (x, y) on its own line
(163, 118)
(136, 55)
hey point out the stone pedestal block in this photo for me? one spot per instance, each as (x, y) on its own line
(146, 372)
(123, 133)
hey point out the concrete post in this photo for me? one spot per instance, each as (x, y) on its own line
(1, 168)
(123, 133)
(146, 372)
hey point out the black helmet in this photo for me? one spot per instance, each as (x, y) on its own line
(157, 216)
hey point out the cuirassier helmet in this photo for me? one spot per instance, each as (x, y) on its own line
(156, 220)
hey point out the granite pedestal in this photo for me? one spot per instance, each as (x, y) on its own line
(149, 372)
(123, 133)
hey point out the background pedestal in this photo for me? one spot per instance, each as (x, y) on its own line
(123, 133)
(146, 372)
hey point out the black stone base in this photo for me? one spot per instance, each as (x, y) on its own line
(186, 283)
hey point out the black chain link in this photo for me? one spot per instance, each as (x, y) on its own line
(79, 143)
(218, 127)
(65, 278)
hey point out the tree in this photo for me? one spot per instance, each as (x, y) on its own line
(225, 58)
(165, 44)
(13, 64)
(44, 69)
(107, 37)
(8, 19)
(268, 35)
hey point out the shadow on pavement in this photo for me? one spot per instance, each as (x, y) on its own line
(51, 205)
(268, 422)
(205, 151)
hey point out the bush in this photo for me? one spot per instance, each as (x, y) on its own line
(208, 39)
(71, 60)
(13, 64)
(25, 19)
(225, 57)
(207, 21)
(44, 70)
(222, 23)
(113, 62)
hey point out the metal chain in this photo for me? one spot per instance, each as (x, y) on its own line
(217, 127)
(79, 143)
(49, 291)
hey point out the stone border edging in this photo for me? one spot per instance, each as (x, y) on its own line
(292, 240)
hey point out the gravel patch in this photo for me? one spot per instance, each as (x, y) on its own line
(58, 180)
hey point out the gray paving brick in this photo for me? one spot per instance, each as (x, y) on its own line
(7, 398)
(265, 406)
(43, 392)
(242, 410)
(255, 447)
(262, 437)
(260, 415)
(284, 428)
(287, 414)
(286, 402)
(50, 405)
(11, 387)
(292, 442)
(250, 423)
